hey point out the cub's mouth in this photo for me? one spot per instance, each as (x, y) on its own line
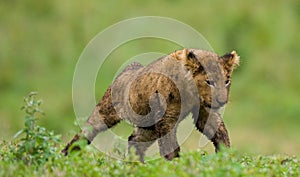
(207, 105)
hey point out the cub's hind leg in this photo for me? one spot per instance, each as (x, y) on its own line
(95, 124)
(103, 117)
(142, 139)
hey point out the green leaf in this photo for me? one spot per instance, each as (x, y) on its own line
(18, 134)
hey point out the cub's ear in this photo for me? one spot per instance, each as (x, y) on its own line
(230, 61)
(180, 54)
(188, 58)
(191, 55)
(191, 62)
(184, 55)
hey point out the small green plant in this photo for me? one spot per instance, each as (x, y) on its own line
(36, 144)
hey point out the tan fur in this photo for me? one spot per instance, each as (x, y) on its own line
(157, 97)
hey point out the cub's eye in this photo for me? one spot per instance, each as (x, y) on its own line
(211, 83)
(227, 82)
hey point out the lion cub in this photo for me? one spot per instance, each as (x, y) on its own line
(155, 98)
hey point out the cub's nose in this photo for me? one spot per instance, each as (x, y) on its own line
(221, 102)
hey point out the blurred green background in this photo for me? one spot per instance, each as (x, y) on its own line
(41, 41)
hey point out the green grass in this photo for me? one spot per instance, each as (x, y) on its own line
(90, 162)
(35, 151)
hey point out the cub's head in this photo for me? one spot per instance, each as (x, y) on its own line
(211, 73)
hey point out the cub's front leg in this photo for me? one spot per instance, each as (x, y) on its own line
(167, 142)
(213, 127)
(168, 145)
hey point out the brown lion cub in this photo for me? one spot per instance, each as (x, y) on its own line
(155, 98)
